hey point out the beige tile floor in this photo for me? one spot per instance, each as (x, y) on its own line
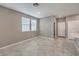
(41, 47)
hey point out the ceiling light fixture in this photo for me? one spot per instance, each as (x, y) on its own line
(35, 4)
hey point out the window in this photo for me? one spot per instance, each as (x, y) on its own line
(33, 24)
(25, 24)
(29, 25)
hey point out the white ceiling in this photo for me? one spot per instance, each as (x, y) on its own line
(45, 9)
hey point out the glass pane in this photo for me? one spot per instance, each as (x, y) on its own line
(25, 24)
(25, 28)
(25, 20)
(33, 25)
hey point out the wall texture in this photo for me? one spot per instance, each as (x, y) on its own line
(10, 27)
(47, 26)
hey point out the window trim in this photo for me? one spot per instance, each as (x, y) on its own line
(24, 24)
(35, 24)
(30, 30)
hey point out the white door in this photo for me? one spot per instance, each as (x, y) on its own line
(61, 28)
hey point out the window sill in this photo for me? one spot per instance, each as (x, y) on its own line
(28, 31)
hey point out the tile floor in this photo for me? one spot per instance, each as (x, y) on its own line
(41, 47)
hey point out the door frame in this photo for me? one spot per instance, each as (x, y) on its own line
(66, 28)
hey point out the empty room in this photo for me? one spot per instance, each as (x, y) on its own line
(39, 29)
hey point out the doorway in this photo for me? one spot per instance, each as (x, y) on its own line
(61, 27)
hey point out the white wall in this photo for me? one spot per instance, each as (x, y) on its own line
(10, 27)
(73, 25)
(46, 26)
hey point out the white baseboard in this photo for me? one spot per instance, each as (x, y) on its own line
(17, 43)
(44, 37)
(25, 40)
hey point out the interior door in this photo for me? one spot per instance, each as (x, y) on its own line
(61, 27)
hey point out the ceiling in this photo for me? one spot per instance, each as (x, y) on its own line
(45, 9)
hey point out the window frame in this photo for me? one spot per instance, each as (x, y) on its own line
(35, 25)
(30, 24)
(25, 24)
